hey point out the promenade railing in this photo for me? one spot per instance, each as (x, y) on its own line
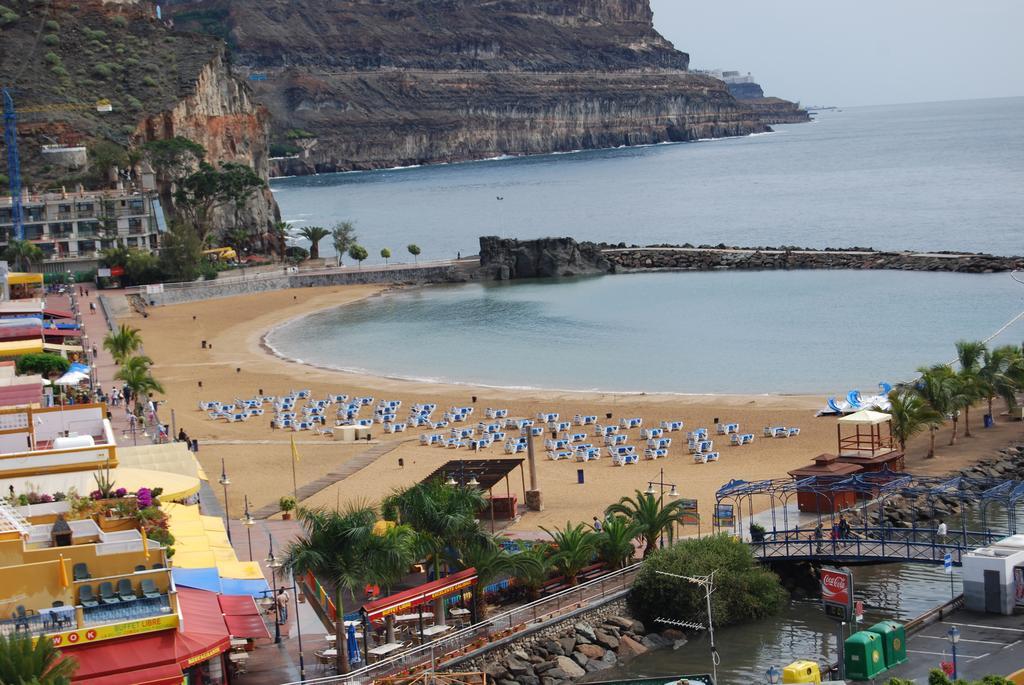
(476, 636)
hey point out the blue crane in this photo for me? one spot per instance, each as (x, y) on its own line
(13, 164)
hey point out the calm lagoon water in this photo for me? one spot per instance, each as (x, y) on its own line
(714, 332)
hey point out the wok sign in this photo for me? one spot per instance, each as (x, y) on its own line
(837, 593)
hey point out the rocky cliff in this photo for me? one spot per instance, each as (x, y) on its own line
(505, 258)
(359, 84)
(64, 55)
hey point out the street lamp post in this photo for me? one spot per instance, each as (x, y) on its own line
(225, 481)
(673, 493)
(954, 636)
(274, 563)
(248, 521)
(298, 629)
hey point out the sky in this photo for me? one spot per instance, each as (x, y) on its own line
(856, 52)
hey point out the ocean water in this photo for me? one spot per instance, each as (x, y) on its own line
(934, 176)
(693, 332)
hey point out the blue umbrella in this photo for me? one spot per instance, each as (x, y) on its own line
(353, 646)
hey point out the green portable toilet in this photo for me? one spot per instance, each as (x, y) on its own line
(894, 641)
(864, 658)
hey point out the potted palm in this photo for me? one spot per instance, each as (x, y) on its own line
(287, 505)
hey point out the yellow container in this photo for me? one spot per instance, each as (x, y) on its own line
(802, 672)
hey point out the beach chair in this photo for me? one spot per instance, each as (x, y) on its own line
(600, 430)
(793, 432)
(584, 420)
(746, 438)
(628, 423)
(438, 425)
(768, 432)
(659, 443)
(700, 458)
(705, 445)
(619, 439)
(577, 437)
(454, 443)
(498, 437)
(555, 444)
(711, 456)
(780, 432)
(618, 460)
(720, 428)
(648, 433)
(258, 411)
(631, 459)
(593, 453)
(536, 431)
(735, 440)
(672, 426)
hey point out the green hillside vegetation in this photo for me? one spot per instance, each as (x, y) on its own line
(75, 53)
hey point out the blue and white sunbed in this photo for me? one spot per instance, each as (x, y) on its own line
(536, 431)
(672, 426)
(659, 443)
(618, 439)
(600, 430)
(648, 433)
(581, 420)
(635, 422)
(492, 413)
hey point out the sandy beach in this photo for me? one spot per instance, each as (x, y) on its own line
(236, 365)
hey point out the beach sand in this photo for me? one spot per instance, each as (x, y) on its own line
(258, 459)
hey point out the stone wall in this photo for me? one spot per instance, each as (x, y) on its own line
(207, 290)
(722, 257)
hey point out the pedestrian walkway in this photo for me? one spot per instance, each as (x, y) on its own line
(356, 463)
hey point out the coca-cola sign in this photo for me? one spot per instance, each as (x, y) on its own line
(837, 587)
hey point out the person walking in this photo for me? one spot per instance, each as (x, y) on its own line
(282, 606)
(597, 525)
(819, 533)
(940, 532)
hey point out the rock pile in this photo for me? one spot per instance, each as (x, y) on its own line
(506, 258)
(583, 648)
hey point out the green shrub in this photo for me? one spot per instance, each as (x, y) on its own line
(59, 71)
(96, 35)
(149, 82)
(42, 363)
(283, 149)
(299, 133)
(52, 25)
(51, 39)
(744, 590)
(7, 16)
(51, 58)
(132, 102)
(119, 21)
(102, 70)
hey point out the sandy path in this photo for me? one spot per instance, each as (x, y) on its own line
(257, 459)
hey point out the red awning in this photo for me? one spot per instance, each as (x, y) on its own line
(23, 393)
(62, 333)
(58, 314)
(117, 661)
(166, 674)
(202, 624)
(407, 599)
(20, 332)
(243, 617)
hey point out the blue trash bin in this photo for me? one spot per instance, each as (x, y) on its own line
(579, 476)
(988, 421)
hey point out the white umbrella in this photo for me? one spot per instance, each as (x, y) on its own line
(72, 378)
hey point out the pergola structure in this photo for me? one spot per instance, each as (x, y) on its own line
(484, 474)
(874, 488)
(870, 445)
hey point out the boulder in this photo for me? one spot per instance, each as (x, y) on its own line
(673, 634)
(520, 654)
(638, 628)
(598, 665)
(606, 640)
(528, 680)
(623, 622)
(496, 671)
(544, 666)
(518, 668)
(570, 667)
(567, 643)
(654, 641)
(629, 648)
(585, 630)
(591, 651)
(579, 658)
(552, 647)
(609, 657)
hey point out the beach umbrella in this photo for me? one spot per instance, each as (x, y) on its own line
(353, 646)
(72, 378)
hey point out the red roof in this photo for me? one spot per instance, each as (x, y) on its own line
(420, 594)
(22, 393)
(20, 332)
(58, 313)
(242, 616)
(62, 333)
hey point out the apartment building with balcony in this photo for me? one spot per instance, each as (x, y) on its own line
(71, 228)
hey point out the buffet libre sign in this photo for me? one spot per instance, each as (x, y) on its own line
(99, 633)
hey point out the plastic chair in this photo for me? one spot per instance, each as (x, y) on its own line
(149, 589)
(86, 597)
(107, 595)
(80, 571)
(125, 591)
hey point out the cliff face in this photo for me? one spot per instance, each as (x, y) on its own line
(360, 84)
(506, 258)
(63, 55)
(220, 114)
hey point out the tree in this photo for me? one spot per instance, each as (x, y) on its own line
(314, 234)
(533, 576)
(1001, 374)
(744, 590)
(142, 267)
(910, 414)
(443, 516)
(615, 541)
(385, 253)
(358, 253)
(238, 238)
(935, 386)
(344, 236)
(181, 252)
(23, 254)
(492, 562)
(106, 156)
(200, 194)
(969, 354)
(116, 256)
(43, 363)
(576, 547)
(341, 548)
(654, 516)
(414, 250)
(276, 238)
(135, 372)
(22, 663)
(122, 343)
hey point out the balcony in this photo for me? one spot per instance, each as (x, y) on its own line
(54, 619)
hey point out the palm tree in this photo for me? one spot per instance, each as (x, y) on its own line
(576, 547)
(533, 576)
(969, 354)
(38, 664)
(275, 238)
(615, 541)
(136, 375)
(1001, 374)
(341, 547)
(935, 387)
(910, 414)
(122, 342)
(491, 562)
(314, 234)
(654, 516)
(443, 516)
(23, 254)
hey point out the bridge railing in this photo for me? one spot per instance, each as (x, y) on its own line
(912, 544)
